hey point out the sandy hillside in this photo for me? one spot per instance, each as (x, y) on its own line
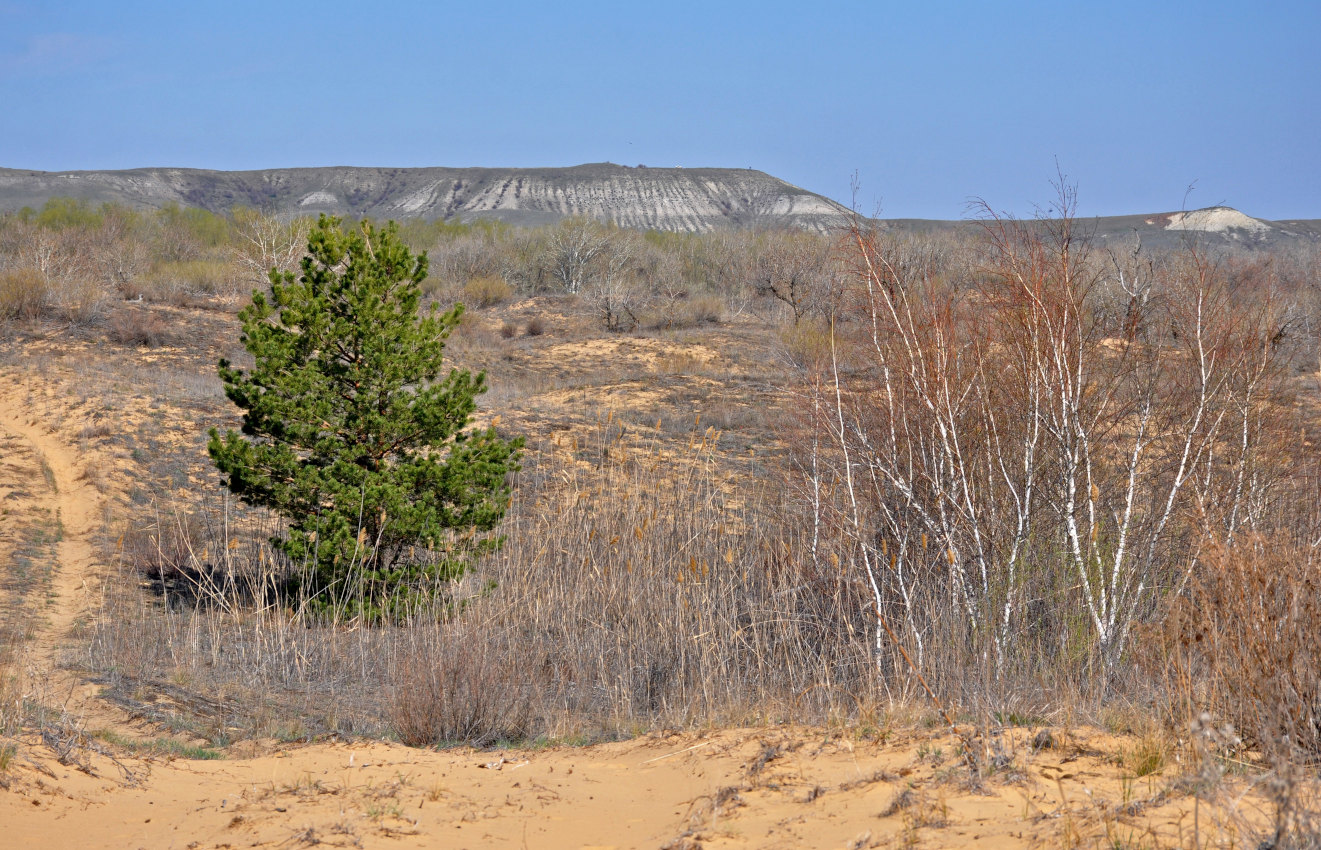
(82, 780)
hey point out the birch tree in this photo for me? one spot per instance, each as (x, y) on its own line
(993, 443)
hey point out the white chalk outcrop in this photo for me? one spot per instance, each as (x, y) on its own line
(1217, 220)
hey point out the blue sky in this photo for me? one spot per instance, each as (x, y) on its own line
(931, 104)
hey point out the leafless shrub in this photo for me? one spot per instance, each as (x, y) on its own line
(121, 259)
(700, 310)
(132, 327)
(50, 274)
(483, 253)
(267, 242)
(618, 303)
(670, 313)
(451, 685)
(574, 248)
(799, 270)
(77, 300)
(1017, 468)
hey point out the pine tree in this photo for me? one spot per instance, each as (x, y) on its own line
(351, 435)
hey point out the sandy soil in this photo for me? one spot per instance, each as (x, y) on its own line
(736, 788)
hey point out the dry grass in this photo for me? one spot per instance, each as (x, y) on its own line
(23, 293)
(1241, 656)
(487, 291)
(1247, 634)
(549, 637)
(184, 283)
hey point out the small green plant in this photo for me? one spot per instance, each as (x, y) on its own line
(160, 746)
(7, 753)
(1146, 757)
(378, 811)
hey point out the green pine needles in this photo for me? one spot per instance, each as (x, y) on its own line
(350, 433)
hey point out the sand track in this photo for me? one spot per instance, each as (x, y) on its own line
(55, 487)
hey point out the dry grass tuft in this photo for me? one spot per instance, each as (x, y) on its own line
(23, 293)
(487, 291)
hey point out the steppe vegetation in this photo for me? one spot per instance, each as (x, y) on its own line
(1002, 481)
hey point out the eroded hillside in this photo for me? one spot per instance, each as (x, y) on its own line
(675, 199)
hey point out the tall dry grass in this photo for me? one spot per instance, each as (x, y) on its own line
(642, 584)
(1239, 654)
(641, 589)
(23, 293)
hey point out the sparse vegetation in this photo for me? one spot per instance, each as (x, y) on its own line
(135, 327)
(1003, 475)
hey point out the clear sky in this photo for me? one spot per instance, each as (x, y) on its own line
(930, 103)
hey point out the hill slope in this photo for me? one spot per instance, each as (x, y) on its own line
(1210, 227)
(679, 199)
(696, 199)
